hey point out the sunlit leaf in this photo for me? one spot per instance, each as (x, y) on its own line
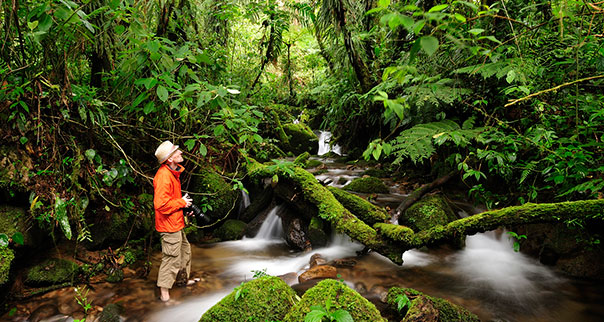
(429, 44)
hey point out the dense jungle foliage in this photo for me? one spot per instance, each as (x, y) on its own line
(509, 93)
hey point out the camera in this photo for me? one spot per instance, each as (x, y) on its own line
(199, 215)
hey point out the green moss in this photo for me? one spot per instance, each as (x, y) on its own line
(340, 297)
(221, 198)
(395, 232)
(111, 313)
(360, 207)
(447, 311)
(267, 298)
(302, 159)
(52, 271)
(301, 139)
(367, 185)
(231, 230)
(427, 213)
(313, 164)
(6, 258)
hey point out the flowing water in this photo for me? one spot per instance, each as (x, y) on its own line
(487, 277)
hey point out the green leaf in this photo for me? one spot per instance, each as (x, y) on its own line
(460, 17)
(3, 240)
(491, 38)
(314, 316)
(18, 238)
(32, 25)
(342, 316)
(218, 130)
(119, 29)
(510, 76)
(476, 31)
(419, 26)
(90, 153)
(383, 3)
(440, 7)
(190, 144)
(429, 44)
(23, 140)
(61, 216)
(203, 150)
(162, 93)
(149, 108)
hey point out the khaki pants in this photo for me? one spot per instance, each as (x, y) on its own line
(176, 255)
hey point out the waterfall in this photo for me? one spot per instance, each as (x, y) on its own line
(271, 227)
(325, 146)
(245, 201)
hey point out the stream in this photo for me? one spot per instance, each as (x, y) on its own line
(487, 277)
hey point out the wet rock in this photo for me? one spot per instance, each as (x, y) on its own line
(260, 202)
(43, 312)
(340, 296)
(51, 272)
(266, 298)
(428, 212)
(301, 139)
(427, 308)
(360, 287)
(295, 235)
(321, 271)
(252, 228)
(367, 185)
(289, 278)
(316, 234)
(231, 230)
(111, 313)
(317, 259)
(344, 262)
(115, 275)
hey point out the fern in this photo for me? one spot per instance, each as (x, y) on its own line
(419, 142)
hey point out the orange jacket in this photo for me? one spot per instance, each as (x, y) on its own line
(167, 200)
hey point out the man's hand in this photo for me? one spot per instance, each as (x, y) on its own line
(188, 200)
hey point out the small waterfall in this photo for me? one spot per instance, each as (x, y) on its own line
(325, 146)
(245, 201)
(271, 227)
(489, 264)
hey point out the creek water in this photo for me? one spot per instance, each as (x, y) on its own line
(487, 277)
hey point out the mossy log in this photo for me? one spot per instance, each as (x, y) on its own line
(392, 240)
(529, 213)
(310, 191)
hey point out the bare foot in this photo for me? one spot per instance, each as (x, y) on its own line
(164, 294)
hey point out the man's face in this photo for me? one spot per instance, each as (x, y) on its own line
(176, 157)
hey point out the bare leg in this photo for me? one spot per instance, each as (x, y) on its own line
(164, 294)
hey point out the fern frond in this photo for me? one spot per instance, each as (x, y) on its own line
(416, 142)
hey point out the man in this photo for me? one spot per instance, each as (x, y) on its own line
(169, 218)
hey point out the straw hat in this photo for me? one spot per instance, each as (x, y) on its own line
(165, 150)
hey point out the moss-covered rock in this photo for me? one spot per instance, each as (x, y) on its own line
(222, 197)
(439, 309)
(313, 164)
(428, 212)
(301, 139)
(340, 296)
(111, 313)
(231, 230)
(373, 172)
(115, 275)
(302, 159)
(267, 298)
(6, 258)
(15, 166)
(367, 185)
(316, 233)
(52, 271)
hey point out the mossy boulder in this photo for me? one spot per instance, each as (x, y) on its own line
(6, 258)
(363, 209)
(51, 272)
(428, 212)
(231, 230)
(340, 296)
(373, 172)
(222, 198)
(266, 298)
(301, 139)
(428, 308)
(367, 185)
(316, 234)
(313, 164)
(302, 159)
(15, 166)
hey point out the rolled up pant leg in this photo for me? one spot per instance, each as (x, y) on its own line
(171, 262)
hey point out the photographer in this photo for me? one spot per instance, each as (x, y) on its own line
(169, 218)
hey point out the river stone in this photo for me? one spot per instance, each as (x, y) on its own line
(317, 259)
(422, 306)
(367, 185)
(428, 212)
(266, 298)
(295, 236)
(231, 230)
(51, 272)
(111, 313)
(320, 271)
(43, 312)
(340, 296)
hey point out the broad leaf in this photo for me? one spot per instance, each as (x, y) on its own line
(18, 238)
(429, 44)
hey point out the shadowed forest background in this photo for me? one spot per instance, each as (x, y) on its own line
(502, 100)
